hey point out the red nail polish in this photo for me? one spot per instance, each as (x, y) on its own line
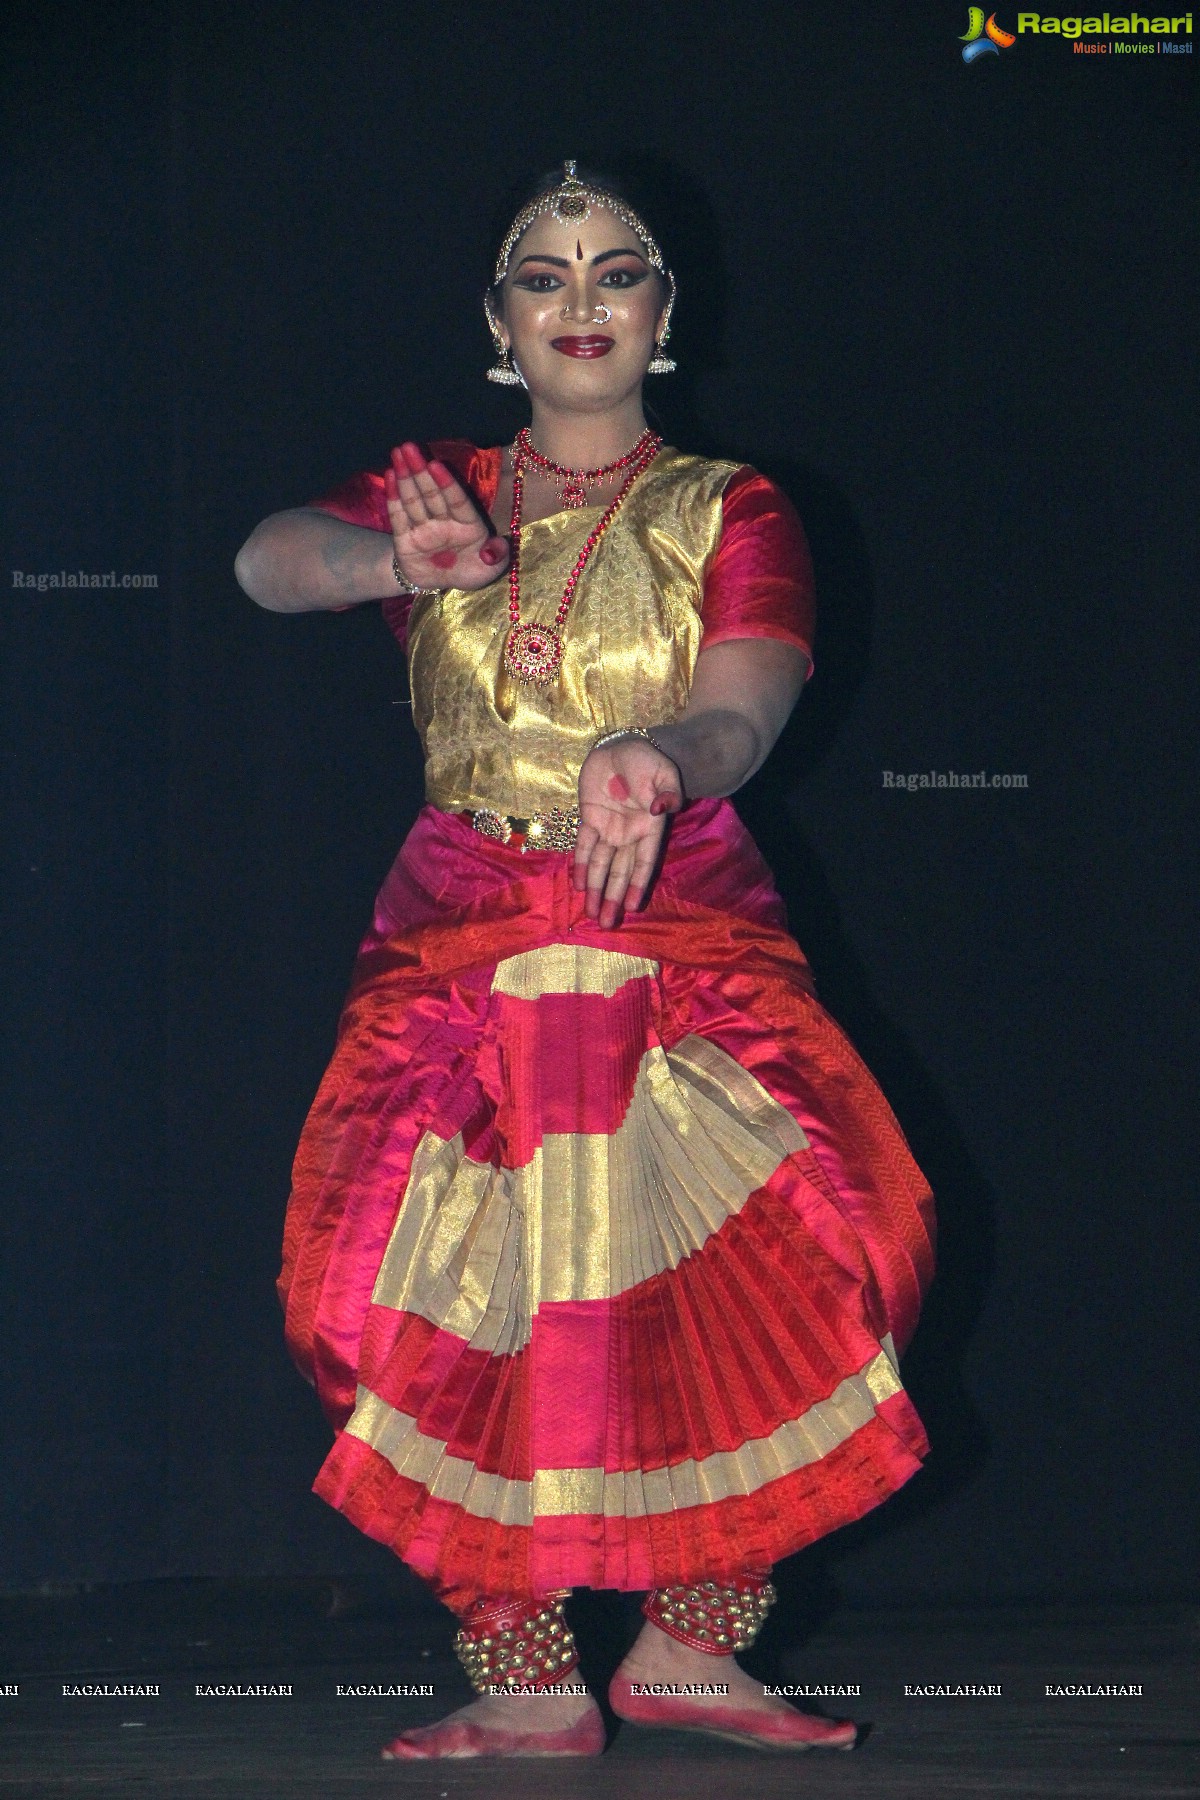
(490, 554)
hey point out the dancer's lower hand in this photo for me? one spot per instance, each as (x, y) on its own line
(627, 790)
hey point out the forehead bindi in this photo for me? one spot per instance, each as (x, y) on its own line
(577, 241)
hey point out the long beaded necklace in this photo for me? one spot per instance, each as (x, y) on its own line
(533, 652)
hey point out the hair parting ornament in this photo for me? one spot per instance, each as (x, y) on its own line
(570, 201)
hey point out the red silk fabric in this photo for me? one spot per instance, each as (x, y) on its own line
(789, 1298)
(760, 583)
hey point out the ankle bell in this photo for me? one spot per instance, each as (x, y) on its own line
(516, 1642)
(718, 1618)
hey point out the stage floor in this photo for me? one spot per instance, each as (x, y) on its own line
(315, 1638)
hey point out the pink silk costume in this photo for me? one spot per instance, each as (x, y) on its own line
(602, 1245)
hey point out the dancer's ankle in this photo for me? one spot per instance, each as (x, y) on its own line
(522, 1644)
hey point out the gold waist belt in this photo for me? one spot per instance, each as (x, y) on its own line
(553, 830)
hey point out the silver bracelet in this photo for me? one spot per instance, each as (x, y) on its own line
(406, 586)
(610, 737)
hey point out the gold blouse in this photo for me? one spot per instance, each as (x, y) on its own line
(632, 636)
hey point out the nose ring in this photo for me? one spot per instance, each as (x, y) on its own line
(601, 314)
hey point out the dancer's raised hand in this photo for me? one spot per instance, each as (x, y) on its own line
(440, 536)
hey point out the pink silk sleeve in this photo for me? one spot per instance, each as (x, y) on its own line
(361, 501)
(760, 583)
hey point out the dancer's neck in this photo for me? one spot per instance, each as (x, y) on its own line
(587, 440)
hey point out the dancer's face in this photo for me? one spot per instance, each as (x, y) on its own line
(561, 281)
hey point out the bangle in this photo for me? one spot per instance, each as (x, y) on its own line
(610, 737)
(407, 586)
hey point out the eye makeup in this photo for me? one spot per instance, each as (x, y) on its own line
(628, 277)
(538, 281)
(620, 277)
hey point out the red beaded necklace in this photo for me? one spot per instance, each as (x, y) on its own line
(572, 483)
(533, 652)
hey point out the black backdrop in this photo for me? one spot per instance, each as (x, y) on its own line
(947, 306)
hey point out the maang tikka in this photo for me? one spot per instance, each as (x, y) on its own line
(571, 200)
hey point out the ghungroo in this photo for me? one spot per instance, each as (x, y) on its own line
(511, 1641)
(712, 1617)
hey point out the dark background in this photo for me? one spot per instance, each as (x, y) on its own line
(947, 306)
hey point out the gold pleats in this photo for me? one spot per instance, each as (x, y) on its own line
(476, 1249)
(642, 1492)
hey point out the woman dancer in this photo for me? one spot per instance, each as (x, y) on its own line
(602, 1242)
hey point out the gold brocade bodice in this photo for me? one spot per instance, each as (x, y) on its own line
(632, 636)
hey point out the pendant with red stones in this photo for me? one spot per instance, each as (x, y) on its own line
(533, 653)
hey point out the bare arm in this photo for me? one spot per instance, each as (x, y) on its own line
(305, 560)
(742, 694)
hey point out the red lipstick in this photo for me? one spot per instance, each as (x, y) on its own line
(583, 346)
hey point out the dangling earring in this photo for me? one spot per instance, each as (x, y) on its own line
(503, 371)
(660, 363)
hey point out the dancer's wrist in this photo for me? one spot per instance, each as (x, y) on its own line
(624, 732)
(405, 583)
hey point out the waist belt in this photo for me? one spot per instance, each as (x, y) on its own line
(553, 830)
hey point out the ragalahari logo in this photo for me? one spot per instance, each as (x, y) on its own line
(983, 37)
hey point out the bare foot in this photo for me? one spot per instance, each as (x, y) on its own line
(744, 1712)
(538, 1724)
